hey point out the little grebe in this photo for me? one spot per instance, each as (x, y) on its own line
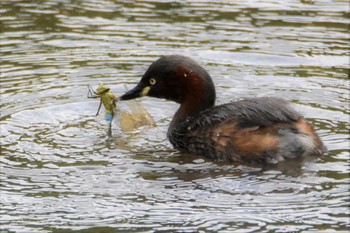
(253, 129)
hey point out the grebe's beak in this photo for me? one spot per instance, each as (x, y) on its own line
(138, 91)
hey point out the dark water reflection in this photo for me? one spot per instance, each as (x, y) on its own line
(58, 171)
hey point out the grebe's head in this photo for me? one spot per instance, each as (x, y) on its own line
(176, 78)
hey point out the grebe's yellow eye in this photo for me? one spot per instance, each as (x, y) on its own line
(152, 81)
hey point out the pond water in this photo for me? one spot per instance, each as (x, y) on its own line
(59, 173)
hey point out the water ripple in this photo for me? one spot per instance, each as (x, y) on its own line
(59, 171)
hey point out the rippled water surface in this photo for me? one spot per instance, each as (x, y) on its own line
(60, 173)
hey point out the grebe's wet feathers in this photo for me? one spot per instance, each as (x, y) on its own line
(218, 131)
(249, 112)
